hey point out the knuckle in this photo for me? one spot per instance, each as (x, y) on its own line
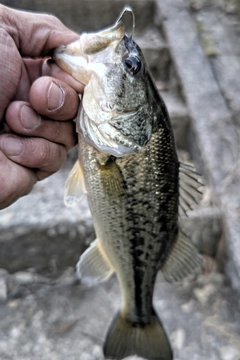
(50, 155)
(59, 129)
(39, 150)
(71, 135)
(62, 154)
(43, 152)
(53, 19)
(15, 181)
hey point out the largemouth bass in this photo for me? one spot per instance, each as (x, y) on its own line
(129, 168)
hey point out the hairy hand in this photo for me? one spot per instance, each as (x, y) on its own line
(37, 101)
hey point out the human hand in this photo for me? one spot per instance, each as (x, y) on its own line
(33, 146)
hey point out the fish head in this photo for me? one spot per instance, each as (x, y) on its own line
(118, 106)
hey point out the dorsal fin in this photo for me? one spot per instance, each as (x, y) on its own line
(190, 183)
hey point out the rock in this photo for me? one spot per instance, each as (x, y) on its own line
(178, 339)
(28, 277)
(203, 294)
(39, 232)
(3, 289)
(53, 322)
(229, 353)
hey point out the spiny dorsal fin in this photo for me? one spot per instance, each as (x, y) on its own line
(93, 267)
(74, 187)
(189, 183)
(182, 260)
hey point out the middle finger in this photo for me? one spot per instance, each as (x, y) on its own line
(54, 98)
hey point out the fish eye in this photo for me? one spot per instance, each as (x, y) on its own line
(133, 64)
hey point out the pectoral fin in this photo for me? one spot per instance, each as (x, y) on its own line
(111, 175)
(93, 266)
(189, 183)
(182, 260)
(74, 188)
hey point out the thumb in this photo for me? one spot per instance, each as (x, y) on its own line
(35, 34)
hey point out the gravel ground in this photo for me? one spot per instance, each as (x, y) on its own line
(66, 320)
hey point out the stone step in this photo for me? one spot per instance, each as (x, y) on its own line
(96, 14)
(38, 232)
(215, 134)
(219, 33)
(156, 53)
(179, 116)
(89, 15)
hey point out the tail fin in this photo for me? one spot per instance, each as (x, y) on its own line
(124, 339)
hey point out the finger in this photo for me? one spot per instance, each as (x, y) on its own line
(22, 92)
(54, 99)
(15, 181)
(35, 34)
(23, 120)
(32, 69)
(49, 68)
(10, 70)
(36, 153)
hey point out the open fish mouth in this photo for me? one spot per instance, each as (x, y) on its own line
(73, 58)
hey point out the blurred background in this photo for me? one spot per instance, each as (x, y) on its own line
(192, 48)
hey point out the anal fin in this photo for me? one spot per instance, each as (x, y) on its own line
(182, 260)
(92, 267)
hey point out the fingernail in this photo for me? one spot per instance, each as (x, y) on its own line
(55, 97)
(29, 118)
(12, 146)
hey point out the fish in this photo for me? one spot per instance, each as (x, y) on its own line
(128, 166)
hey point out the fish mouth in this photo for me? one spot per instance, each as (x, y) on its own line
(74, 58)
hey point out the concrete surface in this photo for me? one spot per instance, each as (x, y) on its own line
(212, 94)
(64, 321)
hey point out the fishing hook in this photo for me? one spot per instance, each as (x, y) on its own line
(125, 9)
